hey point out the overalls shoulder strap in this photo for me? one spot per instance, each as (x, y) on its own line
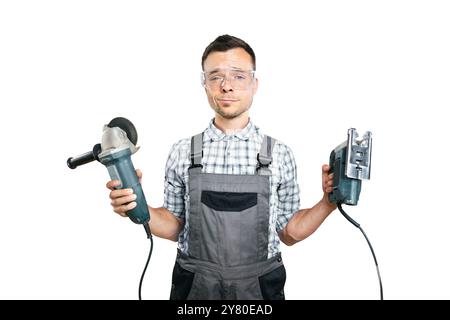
(265, 156)
(196, 151)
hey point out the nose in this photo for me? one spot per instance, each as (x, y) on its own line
(226, 85)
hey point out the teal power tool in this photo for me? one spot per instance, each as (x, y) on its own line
(350, 163)
(118, 144)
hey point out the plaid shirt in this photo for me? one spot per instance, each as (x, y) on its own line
(233, 154)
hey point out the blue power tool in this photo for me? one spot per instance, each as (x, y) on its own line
(350, 162)
(118, 144)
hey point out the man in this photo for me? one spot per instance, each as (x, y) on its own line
(231, 192)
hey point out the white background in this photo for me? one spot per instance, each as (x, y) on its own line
(68, 67)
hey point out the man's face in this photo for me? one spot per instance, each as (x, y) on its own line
(229, 82)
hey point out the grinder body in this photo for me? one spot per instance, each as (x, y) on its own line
(120, 167)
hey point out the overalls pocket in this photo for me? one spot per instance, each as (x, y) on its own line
(181, 283)
(229, 201)
(272, 284)
(236, 241)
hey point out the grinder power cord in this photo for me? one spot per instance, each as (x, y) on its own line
(118, 144)
(351, 162)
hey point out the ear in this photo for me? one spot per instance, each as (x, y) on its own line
(255, 86)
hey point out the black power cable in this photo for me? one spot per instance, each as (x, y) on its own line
(356, 224)
(149, 236)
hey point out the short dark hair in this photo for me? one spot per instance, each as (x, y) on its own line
(226, 42)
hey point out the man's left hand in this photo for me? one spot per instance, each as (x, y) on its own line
(327, 184)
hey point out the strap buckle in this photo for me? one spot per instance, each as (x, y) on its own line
(195, 165)
(192, 166)
(263, 162)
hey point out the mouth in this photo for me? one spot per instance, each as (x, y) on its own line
(227, 100)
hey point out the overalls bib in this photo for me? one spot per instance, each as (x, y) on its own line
(228, 235)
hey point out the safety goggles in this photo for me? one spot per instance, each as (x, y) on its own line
(236, 78)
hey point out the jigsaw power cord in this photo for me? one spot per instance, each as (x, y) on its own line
(356, 224)
(149, 235)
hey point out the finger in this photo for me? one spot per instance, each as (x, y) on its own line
(122, 210)
(120, 213)
(123, 200)
(139, 175)
(120, 193)
(328, 189)
(330, 183)
(113, 183)
(325, 168)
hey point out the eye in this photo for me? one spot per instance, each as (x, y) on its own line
(240, 76)
(215, 78)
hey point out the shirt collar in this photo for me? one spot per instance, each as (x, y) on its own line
(216, 134)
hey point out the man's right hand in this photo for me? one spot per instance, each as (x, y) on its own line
(122, 200)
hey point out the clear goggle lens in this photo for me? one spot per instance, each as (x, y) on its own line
(237, 79)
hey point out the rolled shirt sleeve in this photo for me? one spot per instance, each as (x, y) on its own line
(174, 186)
(288, 191)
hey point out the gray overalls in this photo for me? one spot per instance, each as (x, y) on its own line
(228, 235)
